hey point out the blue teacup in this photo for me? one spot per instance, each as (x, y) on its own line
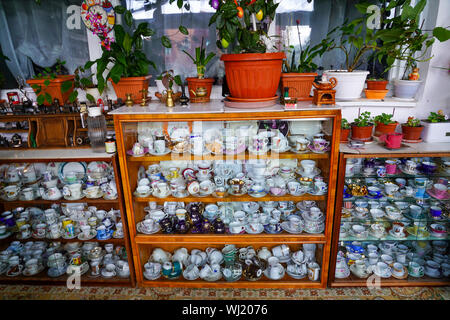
(435, 211)
(374, 191)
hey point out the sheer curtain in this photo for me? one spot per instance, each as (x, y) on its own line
(39, 34)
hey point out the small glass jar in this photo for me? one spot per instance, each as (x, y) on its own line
(110, 144)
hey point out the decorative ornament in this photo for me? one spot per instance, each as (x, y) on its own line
(99, 17)
(414, 75)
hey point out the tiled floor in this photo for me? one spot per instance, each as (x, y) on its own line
(23, 292)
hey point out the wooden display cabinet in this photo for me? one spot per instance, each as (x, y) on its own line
(68, 155)
(377, 151)
(126, 122)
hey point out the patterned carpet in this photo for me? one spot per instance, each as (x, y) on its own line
(24, 292)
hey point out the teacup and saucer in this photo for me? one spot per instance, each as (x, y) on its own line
(399, 271)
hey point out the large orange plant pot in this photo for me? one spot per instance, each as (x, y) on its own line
(253, 75)
(362, 133)
(54, 88)
(194, 84)
(382, 128)
(299, 85)
(411, 133)
(133, 85)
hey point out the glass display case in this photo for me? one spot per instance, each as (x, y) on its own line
(392, 217)
(63, 217)
(229, 198)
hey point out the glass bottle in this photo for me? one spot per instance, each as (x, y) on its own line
(96, 129)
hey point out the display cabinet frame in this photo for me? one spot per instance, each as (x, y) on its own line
(142, 244)
(377, 151)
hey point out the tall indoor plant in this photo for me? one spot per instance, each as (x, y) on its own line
(251, 71)
(129, 73)
(405, 40)
(300, 74)
(200, 82)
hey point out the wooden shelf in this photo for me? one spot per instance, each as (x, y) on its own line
(62, 200)
(242, 156)
(242, 198)
(285, 282)
(13, 130)
(43, 278)
(353, 281)
(283, 237)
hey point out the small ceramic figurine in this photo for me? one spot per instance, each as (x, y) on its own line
(414, 75)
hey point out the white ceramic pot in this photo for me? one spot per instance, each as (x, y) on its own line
(349, 84)
(406, 89)
(436, 132)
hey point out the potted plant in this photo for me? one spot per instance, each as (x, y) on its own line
(251, 72)
(376, 88)
(405, 40)
(362, 127)
(84, 83)
(412, 129)
(195, 85)
(52, 84)
(299, 75)
(129, 73)
(355, 41)
(384, 124)
(436, 128)
(345, 130)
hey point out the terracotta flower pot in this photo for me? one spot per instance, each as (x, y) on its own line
(253, 75)
(362, 133)
(344, 134)
(375, 94)
(54, 88)
(376, 84)
(133, 85)
(382, 128)
(299, 84)
(411, 133)
(194, 84)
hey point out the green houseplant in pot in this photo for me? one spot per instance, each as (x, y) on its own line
(197, 86)
(300, 74)
(356, 42)
(345, 130)
(412, 129)
(405, 40)
(362, 127)
(436, 128)
(251, 72)
(384, 124)
(52, 84)
(129, 73)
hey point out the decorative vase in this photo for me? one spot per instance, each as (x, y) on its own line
(406, 89)
(411, 133)
(299, 84)
(54, 88)
(382, 128)
(253, 75)
(131, 85)
(349, 84)
(362, 133)
(199, 89)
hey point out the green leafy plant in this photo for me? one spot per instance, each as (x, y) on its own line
(404, 37)
(168, 78)
(201, 59)
(81, 82)
(345, 124)
(437, 117)
(126, 52)
(364, 120)
(234, 20)
(49, 75)
(413, 122)
(384, 118)
(305, 62)
(354, 40)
